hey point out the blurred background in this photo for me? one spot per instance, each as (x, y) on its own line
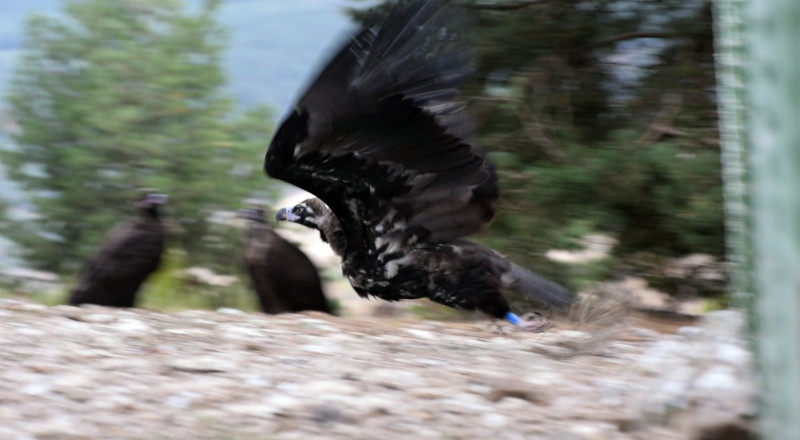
(601, 117)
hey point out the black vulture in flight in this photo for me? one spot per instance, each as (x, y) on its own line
(131, 253)
(382, 138)
(285, 280)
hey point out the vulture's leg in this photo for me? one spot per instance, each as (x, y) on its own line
(528, 324)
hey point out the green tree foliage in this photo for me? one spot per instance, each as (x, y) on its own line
(602, 118)
(119, 95)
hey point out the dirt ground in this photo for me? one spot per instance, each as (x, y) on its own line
(92, 372)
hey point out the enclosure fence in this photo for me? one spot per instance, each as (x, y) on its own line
(758, 64)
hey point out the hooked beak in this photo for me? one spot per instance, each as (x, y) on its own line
(280, 215)
(285, 214)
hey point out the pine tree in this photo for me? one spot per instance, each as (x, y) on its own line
(119, 95)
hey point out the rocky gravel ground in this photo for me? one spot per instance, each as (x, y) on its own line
(91, 372)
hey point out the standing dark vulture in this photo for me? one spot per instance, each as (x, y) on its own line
(129, 256)
(285, 280)
(382, 138)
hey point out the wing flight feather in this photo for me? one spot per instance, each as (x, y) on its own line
(381, 135)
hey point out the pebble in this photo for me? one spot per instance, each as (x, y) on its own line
(691, 332)
(182, 400)
(202, 364)
(494, 420)
(23, 306)
(717, 378)
(280, 402)
(131, 326)
(422, 334)
(35, 389)
(731, 354)
(320, 348)
(98, 318)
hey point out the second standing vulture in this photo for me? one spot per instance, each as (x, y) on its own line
(285, 280)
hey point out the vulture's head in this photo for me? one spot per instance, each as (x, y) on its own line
(312, 213)
(149, 201)
(316, 215)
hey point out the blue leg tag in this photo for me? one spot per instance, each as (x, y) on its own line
(513, 318)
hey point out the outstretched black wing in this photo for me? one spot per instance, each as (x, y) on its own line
(381, 136)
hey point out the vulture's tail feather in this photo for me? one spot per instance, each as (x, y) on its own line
(540, 289)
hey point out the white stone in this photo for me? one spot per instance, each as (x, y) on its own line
(182, 400)
(717, 378)
(279, 402)
(98, 318)
(321, 348)
(202, 364)
(422, 334)
(494, 420)
(130, 325)
(35, 389)
(731, 354)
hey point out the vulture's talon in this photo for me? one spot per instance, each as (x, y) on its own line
(530, 322)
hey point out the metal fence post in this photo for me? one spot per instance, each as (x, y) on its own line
(729, 38)
(769, 65)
